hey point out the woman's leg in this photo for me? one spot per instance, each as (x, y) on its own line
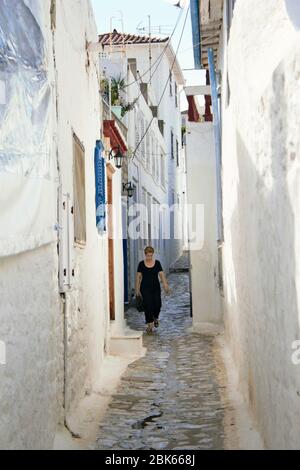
(148, 305)
(156, 307)
(156, 304)
(149, 321)
(148, 317)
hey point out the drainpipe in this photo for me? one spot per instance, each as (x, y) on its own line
(217, 133)
(196, 32)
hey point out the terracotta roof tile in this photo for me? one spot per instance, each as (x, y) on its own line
(120, 38)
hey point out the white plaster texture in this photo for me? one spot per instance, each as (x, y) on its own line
(55, 349)
(261, 211)
(31, 382)
(201, 193)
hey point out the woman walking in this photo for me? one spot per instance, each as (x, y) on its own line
(148, 286)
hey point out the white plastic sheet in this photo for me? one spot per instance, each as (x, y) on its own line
(27, 190)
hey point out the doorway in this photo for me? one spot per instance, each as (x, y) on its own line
(111, 257)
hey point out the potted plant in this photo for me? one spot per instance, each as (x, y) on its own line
(118, 105)
(126, 107)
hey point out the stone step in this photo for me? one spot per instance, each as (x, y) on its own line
(129, 343)
(179, 270)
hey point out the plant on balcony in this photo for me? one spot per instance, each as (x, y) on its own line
(126, 107)
(117, 86)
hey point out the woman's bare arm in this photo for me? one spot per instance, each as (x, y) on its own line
(164, 282)
(138, 283)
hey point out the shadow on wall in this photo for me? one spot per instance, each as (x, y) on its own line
(263, 253)
(293, 11)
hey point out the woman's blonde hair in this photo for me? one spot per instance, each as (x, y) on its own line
(149, 249)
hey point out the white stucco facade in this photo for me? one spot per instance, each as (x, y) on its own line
(261, 210)
(202, 223)
(31, 326)
(79, 112)
(157, 168)
(169, 112)
(55, 343)
(148, 172)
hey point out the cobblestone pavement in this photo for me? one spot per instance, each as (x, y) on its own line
(182, 263)
(170, 399)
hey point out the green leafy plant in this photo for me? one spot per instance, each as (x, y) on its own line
(126, 107)
(117, 85)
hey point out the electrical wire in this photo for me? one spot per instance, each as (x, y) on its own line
(157, 61)
(166, 85)
(159, 58)
(203, 43)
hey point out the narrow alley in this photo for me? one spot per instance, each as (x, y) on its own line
(171, 398)
(149, 157)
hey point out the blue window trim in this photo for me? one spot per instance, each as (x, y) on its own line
(100, 192)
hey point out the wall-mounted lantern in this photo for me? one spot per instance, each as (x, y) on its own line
(117, 155)
(129, 188)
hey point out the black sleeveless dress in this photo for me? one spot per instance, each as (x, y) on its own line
(151, 290)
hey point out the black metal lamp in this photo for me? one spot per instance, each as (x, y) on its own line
(129, 188)
(117, 155)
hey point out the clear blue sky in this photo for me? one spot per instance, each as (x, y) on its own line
(135, 14)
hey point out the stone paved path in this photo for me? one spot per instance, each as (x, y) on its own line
(170, 399)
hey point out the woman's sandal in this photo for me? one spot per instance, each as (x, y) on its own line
(149, 328)
(156, 323)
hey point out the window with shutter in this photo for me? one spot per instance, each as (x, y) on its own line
(149, 210)
(100, 188)
(148, 159)
(162, 168)
(172, 145)
(153, 155)
(170, 83)
(138, 134)
(79, 192)
(157, 175)
(155, 224)
(177, 153)
(142, 137)
(144, 225)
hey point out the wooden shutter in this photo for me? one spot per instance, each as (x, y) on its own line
(79, 192)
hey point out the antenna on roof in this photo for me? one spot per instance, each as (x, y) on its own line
(163, 30)
(150, 51)
(119, 18)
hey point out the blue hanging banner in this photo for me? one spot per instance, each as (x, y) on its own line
(100, 187)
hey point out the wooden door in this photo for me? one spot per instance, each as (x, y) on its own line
(111, 270)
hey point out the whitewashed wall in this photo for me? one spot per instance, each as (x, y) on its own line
(171, 115)
(32, 315)
(31, 381)
(79, 111)
(140, 170)
(201, 191)
(261, 179)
